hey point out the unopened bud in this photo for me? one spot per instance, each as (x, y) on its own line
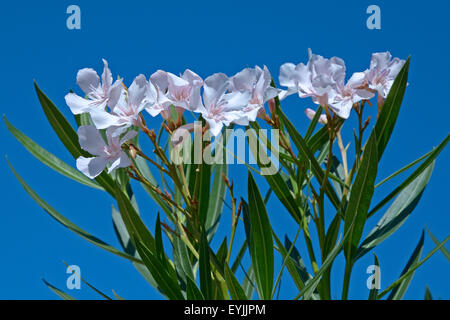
(310, 113)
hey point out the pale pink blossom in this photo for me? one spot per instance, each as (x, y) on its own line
(105, 154)
(99, 94)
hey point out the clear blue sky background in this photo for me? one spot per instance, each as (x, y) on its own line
(208, 37)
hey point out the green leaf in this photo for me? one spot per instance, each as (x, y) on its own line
(205, 268)
(216, 199)
(128, 247)
(248, 284)
(444, 251)
(59, 292)
(68, 136)
(276, 182)
(135, 227)
(311, 285)
(90, 285)
(163, 276)
(413, 176)
(239, 256)
(49, 159)
(397, 213)
(294, 269)
(260, 240)
(235, 289)
(67, 223)
(374, 291)
(412, 269)
(181, 258)
(391, 108)
(297, 259)
(308, 154)
(360, 198)
(428, 295)
(399, 291)
(192, 291)
(159, 248)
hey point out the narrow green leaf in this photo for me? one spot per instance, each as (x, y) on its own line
(239, 256)
(399, 291)
(397, 213)
(59, 292)
(91, 286)
(135, 226)
(391, 108)
(307, 153)
(292, 266)
(428, 295)
(216, 199)
(67, 223)
(413, 268)
(192, 291)
(49, 159)
(235, 289)
(444, 251)
(413, 176)
(276, 182)
(360, 198)
(260, 240)
(128, 247)
(163, 276)
(374, 291)
(159, 248)
(205, 268)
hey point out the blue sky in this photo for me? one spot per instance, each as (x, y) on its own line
(207, 37)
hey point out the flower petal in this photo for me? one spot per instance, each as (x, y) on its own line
(91, 167)
(88, 80)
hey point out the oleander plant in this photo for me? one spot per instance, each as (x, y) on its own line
(183, 165)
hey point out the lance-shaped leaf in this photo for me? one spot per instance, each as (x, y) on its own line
(67, 223)
(260, 240)
(399, 291)
(374, 291)
(192, 291)
(164, 276)
(49, 159)
(428, 295)
(293, 266)
(235, 289)
(360, 197)
(444, 251)
(276, 182)
(135, 226)
(391, 108)
(206, 283)
(68, 136)
(59, 292)
(412, 269)
(128, 247)
(307, 153)
(216, 199)
(397, 213)
(435, 152)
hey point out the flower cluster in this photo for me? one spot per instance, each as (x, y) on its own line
(221, 100)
